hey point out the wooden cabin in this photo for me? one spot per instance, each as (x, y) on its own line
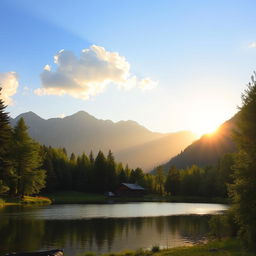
(130, 189)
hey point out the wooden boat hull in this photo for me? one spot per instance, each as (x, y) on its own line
(56, 252)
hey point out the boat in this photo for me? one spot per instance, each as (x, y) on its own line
(56, 252)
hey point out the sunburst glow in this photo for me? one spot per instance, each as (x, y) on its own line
(206, 116)
(206, 109)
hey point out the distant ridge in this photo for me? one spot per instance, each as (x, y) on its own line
(129, 141)
(207, 150)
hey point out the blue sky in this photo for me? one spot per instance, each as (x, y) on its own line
(200, 53)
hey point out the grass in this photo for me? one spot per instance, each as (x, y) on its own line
(36, 200)
(74, 197)
(229, 247)
(27, 200)
(2, 202)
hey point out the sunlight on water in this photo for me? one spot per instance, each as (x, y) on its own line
(129, 210)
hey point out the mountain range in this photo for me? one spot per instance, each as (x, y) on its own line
(130, 142)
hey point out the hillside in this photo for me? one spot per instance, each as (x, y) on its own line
(129, 141)
(157, 151)
(207, 150)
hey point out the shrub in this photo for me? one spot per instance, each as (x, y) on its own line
(155, 248)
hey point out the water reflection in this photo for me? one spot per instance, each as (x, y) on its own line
(129, 210)
(22, 230)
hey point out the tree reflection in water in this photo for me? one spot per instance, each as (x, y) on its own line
(28, 233)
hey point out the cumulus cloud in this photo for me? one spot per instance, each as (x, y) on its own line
(252, 45)
(89, 74)
(9, 84)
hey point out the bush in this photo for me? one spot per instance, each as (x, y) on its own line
(155, 248)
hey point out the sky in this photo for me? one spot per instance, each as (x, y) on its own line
(169, 65)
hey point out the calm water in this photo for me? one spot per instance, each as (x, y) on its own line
(103, 228)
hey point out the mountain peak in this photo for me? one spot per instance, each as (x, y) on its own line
(28, 115)
(81, 114)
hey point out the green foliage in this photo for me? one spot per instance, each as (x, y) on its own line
(5, 141)
(201, 182)
(101, 174)
(89, 174)
(242, 191)
(37, 200)
(87, 254)
(159, 180)
(2, 202)
(3, 187)
(172, 183)
(155, 248)
(228, 247)
(26, 158)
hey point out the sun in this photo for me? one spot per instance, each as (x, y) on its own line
(205, 121)
(205, 128)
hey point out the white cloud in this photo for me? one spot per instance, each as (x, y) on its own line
(252, 45)
(9, 83)
(90, 74)
(147, 84)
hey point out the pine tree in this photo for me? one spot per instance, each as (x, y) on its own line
(172, 183)
(27, 161)
(111, 172)
(243, 191)
(5, 141)
(160, 180)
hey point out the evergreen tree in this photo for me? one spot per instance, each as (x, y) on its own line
(27, 161)
(172, 183)
(100, 173)
(82, 179)
(243, 191)
(111, 172)
(5, 144)
(160, 180)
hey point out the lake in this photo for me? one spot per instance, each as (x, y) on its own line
(104, 227)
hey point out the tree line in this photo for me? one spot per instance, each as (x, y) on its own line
(26, 168)
(88, 173)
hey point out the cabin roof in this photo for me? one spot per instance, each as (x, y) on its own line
(133, 186)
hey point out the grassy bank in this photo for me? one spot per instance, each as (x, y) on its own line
(216, 248)
(2, 202)
(73, 197)
(27, 200)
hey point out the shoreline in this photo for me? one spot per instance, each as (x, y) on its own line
(227, 247)
(73, 197)
(27, 200)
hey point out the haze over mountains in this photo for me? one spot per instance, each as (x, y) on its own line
(208, 149)
(129, 141)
